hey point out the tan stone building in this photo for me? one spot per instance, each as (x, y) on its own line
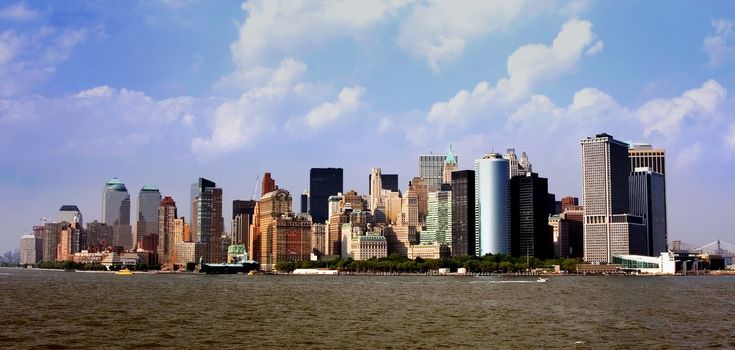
(369, 246)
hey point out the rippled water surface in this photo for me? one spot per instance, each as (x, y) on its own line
(48, 309)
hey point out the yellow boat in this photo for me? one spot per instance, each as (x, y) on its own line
(125, 272)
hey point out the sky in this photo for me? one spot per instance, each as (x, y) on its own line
(163, 92)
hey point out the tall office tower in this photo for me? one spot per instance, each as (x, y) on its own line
(517, 167)
(431, 168)
(388, 181)
(648, 200)
(334, 203)
(450, 165)
(166, 226)
(492, 205)
(608, 228)
(410, 211)
(271, 206)
(50, 240)
(116, 212)
(268, 184)
(305, 202)
(242, 218)
(420, 188)
(70, 214)
(571, 233)
(323, 182)
(30, 246)
(530, 231)
(376, 186)
(645, 156)
(439, 220)
(463, 212)
(393, 206)
(207, 221)
(569, 202)
(149, 198)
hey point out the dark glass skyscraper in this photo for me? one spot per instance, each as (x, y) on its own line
(530, 209)
(463, 212)
(388, 181)
(323, 182)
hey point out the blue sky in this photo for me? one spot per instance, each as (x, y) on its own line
(163, 92)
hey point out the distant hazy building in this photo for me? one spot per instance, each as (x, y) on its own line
(149, 198)
(323, 182)
(305, 202)
(116, 212)
(648, 200)
(463, 212)
(30, 249)
(70, 214)
(166, 224)
(609, 229)
(439, 220)
(530, 209)
(492, 202)
(207, 222)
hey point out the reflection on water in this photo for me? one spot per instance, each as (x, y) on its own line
(91, 310)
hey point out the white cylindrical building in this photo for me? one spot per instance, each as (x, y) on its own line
(492, 198)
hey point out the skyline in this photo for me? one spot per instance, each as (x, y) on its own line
(89, 92)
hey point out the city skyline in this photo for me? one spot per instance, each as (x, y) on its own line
(105, 94)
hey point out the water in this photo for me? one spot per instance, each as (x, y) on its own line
(48, 309)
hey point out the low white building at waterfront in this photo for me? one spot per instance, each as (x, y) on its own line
(663, 264)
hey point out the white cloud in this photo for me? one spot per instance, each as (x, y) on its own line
(527, 67)
(688, 154)
(28, 59)
(720, 46)
(347, 102)
(287, 26)
(595, 49)
(18, 12)
(667, 116)
(730, 137)
(237, 122)
(440, 30)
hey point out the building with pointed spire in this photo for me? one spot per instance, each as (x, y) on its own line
(450, 165)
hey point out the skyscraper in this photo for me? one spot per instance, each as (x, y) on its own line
(517, 167)
(645, 156)
(463, 212)
(166, 226)
(149, 198)
(530, 230)
(70, 214)
(419, 187)
(439, 220)
(492, 197)
(450, 165)
(207, 221)
(271, 206)
(323, 182)
(431, 168)
(116, 212)
(376, 186)
(305, 202)
(608, 228)
(648, 200)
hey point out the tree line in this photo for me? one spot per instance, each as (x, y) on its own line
(498, 263)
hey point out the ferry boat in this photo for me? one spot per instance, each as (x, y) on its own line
(125, 272)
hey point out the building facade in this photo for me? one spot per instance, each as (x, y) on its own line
(530, 209)
(116, 212)
(166, 227)
(369, 246)
(648, 200)
(207, 221)
(30, 247)
(70, 214)
(439, 220)
(146, 224)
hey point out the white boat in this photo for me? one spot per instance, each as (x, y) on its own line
(541, 279)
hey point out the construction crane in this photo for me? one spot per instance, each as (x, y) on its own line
(255, 188)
